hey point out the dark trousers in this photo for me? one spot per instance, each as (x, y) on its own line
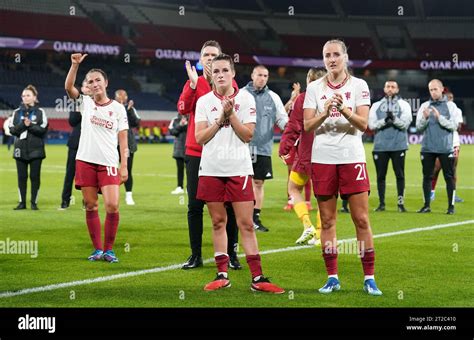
(180, 168)
(129, 182)
(70, 173)
(195, 211)
(35, 172)
(381, 160)
(428, 161)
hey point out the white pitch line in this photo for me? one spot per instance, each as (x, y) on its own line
(177, 266)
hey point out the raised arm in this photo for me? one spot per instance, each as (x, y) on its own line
(76, 59)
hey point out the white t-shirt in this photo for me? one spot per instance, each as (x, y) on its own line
(336, 140)
(458, 119)
(225, 155)
(100, 126)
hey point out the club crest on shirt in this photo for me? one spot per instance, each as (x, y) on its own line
(237, 107)
(348, 95)
(110, 113)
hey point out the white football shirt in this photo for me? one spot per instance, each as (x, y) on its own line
(225, 155)
(100, 126)
(336, 140)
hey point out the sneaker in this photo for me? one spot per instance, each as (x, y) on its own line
(96, 255)
(219, 282)
(307, 234)
(314, 242)
(450, 210)
(424, 210)
(401, 208)
(331, 285)
(234, 262)
(20, 206)
(433, 195)
(258, 226)
(381, 207)
(177, 191)
(370, 287)
(129, 198)
(109, 256)
(64, 205)
(458, 199)
(263, 284)
(309, 206)
(344, 210)
(288, 207)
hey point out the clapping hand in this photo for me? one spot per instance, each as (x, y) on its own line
(192, 74)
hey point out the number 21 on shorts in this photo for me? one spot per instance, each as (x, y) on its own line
(111, 171)
(362, 175)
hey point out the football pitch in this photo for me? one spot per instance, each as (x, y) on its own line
(422, 260)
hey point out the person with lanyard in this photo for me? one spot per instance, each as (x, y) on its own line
(29, 125)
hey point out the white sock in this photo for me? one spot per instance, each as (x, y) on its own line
(368, 277)
(223, 274)
(334, 276)
(128, 194)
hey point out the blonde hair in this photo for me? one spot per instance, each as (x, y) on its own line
(344, 52)
(315, 73)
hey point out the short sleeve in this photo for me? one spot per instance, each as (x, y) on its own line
(122, 118)
(362, 95)
(201, 115)
(310, 101)
(249, 111)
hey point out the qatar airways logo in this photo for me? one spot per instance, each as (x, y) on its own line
(102, 122)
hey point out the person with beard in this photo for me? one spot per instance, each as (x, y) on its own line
(29, 125)
(390, 118)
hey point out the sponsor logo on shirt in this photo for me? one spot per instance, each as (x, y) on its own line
(102, 122)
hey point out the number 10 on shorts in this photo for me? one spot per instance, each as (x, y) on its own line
(112, 171)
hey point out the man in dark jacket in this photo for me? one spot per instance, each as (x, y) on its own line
(133, 122)
(178, 128)
(29, 125)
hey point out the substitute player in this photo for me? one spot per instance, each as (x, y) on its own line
(336, 107)
(225, 121)
(301, 169)
(103, 124)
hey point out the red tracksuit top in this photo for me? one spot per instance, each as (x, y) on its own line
(187, 106)
(294, 133)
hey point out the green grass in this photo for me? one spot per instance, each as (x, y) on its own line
(424, 269)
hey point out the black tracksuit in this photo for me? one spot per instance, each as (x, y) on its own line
(29, 147)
